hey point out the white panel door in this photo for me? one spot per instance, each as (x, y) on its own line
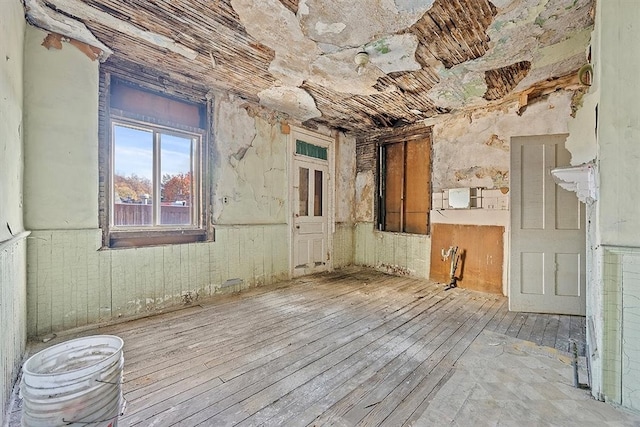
(310, 218)
(547, 259)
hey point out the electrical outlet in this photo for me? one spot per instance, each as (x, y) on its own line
(225, 200)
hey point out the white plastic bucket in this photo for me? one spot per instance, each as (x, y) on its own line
(76, 383)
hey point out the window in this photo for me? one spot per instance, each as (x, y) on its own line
(156, 157)
(155, 176)
(405, 186)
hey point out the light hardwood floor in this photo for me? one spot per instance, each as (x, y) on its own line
(344, 348)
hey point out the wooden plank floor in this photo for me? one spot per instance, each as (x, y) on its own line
(353, 347)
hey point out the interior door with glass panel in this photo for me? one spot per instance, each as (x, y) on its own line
(310, 217)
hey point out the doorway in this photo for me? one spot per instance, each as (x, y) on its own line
(312, 203)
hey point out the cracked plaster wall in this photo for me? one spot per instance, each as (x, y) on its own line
(345, 179)
(469, 150)
(365, 196)
(472, 150)
(250, 180)
(345, 206)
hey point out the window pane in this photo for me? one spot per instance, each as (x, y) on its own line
(303, 191)
(311, 150)
(317, 200)
(176, 173)
(133, 176)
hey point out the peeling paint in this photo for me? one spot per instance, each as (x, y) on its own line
(250, 167)
(336, 28)
(472, 150)
(458, 87)
(330, 62)
(365, 191)
(582, 141)
(345, 179)
(290, 100)
(294, 51)
(365, 21)
(556, 53)
(54, 21)
(338, 71)
(497, 177)
(521, 28)
(495, 142)
(394, 53)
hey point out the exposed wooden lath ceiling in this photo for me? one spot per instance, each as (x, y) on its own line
(426, 58)
(502, 80)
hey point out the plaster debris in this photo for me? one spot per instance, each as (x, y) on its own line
(290, 100)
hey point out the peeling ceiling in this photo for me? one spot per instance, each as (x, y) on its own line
(296, 57)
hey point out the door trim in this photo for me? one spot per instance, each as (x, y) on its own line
(329, 143)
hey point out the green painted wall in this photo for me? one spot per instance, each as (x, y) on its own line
(615, 282)
(395, 253)
(12, 244)
(343, 245)
(72, 281)
(61, 128)
(619, 127)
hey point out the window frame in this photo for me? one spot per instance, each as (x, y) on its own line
(201, 229)
(381, 151)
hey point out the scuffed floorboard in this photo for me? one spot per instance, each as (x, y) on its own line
(351, 347)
